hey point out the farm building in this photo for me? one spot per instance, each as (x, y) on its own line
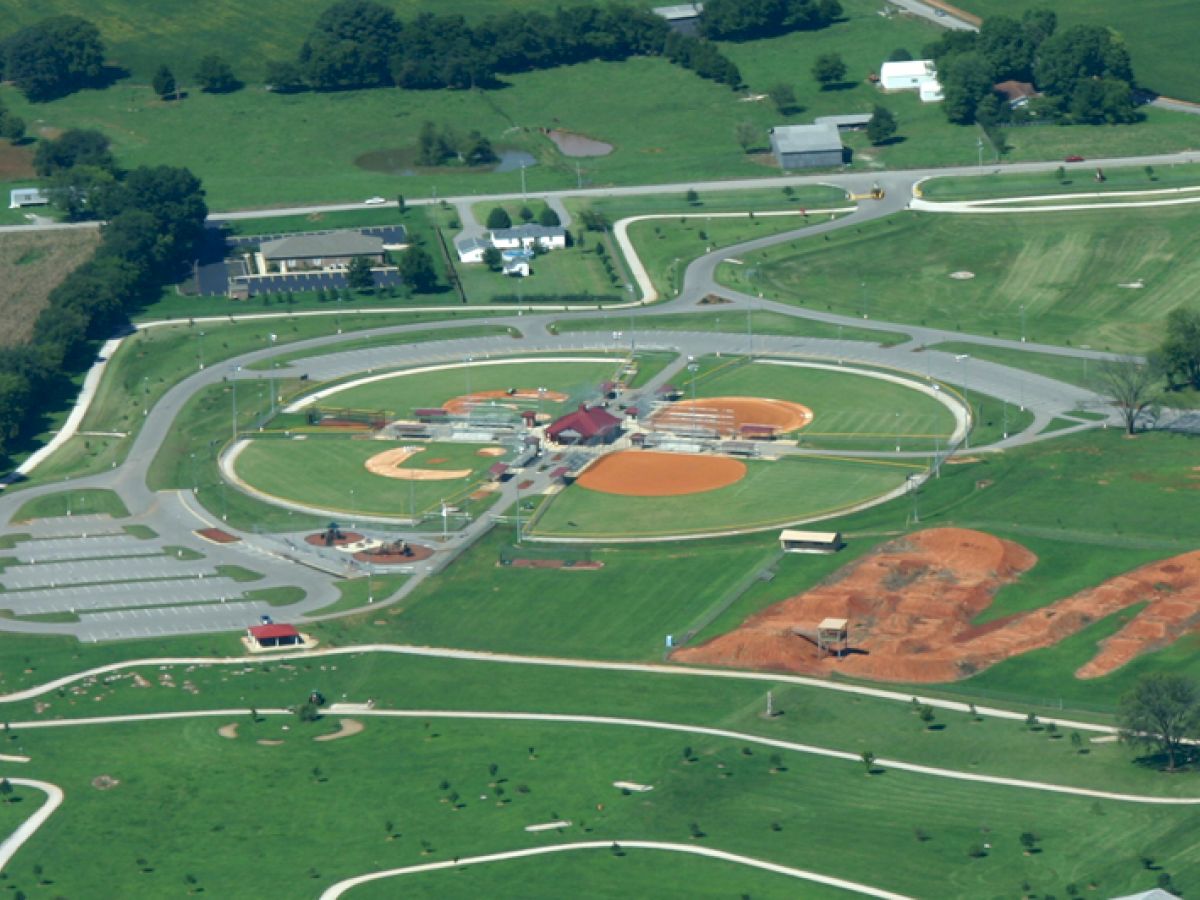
(1016, 93)
(807, 146)
(683, 17)
(526, 237)
(19, 197)
(793, 541)
(329, 250)
(907, 75)
(586, 425)
(845, 122)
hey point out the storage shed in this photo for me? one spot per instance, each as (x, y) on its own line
(807, 146)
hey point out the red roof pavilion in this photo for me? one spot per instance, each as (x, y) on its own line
(588, 423)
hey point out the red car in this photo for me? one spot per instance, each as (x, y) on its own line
(1074, 158)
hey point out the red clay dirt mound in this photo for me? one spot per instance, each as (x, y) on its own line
(645, 473)
(461, 405)
(910, 604)
(732, 413)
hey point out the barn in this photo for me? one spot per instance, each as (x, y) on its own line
(807, 146)
(586, 425)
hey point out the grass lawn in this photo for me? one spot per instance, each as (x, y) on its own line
(761, 322)
(1079, 180)
(1059, 272)
(1155, 34)
(1081, 372)
(330, 472)
(649, 364)
(771, 493)
(388, 340)
(806, 196)
(318, 221)
(850, 411)
(80, 502)
(667, 246)
(32, 264)
(405, 392)
(555, 276)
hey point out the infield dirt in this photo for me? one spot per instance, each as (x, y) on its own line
(734, 412)
(645, 473)
(911, 603)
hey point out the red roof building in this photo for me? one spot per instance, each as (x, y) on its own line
(585, 425)
(275, 635)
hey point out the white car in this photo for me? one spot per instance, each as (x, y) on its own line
(374, 201)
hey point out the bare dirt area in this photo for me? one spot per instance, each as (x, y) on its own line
(217, 536)
(733, 413)
(463, 404)
(16, 161)
(490, 451)
(230, 731)
(347, 537)
(346, 728)
(105, 782)
(578, 145)
(398, 553)
(646, 473)
(390, 464)
(32, 264)
(911, 603)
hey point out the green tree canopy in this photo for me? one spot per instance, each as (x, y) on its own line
(882, 125)
(1179, 355)
(359, 276)
(416, 268)
(549, 218)
(499, 218)
(216, 76)
(1161, 711)
(829, 69)
(74, 147)
(163, 82)
(54, 57)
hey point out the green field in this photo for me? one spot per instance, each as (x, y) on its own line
(85, 502)
(331, 473)
(1061, 271)
(408, 391)
(770, 494)
(1078, 180)
(1155, 33)
(850, 411)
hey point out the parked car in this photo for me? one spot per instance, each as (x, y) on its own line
(375, 201)
(1074, 157)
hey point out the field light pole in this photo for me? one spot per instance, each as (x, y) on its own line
(693, 368)
(914, 486)
(962, 358)
(1022, 323)
(200, 353)
(518, 486)
(979, 145)
(864, 300)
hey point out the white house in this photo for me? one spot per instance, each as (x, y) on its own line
(931, 91)
(906, 75)
(471, 250)
(19, 197)
(526, 237)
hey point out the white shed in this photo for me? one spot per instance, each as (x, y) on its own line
(931, 91)
(19, 197)
(906, 75)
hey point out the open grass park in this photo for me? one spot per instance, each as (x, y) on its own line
(594, 670)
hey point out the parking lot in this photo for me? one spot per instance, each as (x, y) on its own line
(52, 549)
(144, 623)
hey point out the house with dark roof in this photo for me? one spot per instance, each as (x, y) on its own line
(324, 250)
(471, 250)
(586, 425)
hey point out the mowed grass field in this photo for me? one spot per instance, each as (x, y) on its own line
(1078, 179)
(850, 411)
(32, 264)
(771, 493)
(1065, 269)
(331, 473)
(408, 792)
(1158, 34)
(407, 391)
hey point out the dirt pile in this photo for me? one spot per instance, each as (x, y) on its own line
(911, 602)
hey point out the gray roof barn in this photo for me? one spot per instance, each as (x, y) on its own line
(807, 146)
(328, 245)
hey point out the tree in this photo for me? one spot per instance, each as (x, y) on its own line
(1132, 386)
(927, 715)
(308, 711)
(1161, 711)
(692, 197)
(1179, 355)
(900, 54)
(499, 218)
(401, 204)
(747, 135)
(595, 220)
(164, 83)
(783, 97)
(829, 70)
(1029, 841)
(351, 45)
(493, 259)
(417, 271)
(284, 76)
(549, 218)
(868, 760)
(359, 276)
(525, 214)
(216, 76)
(74, 147)
(6, 790)
(882, 125)
(966, 79)
(54, 57)
(477, 150)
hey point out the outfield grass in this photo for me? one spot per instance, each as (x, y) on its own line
(405, 392)
(1078, 180)
(79, 502)
(1155, 34)
(850, 411)
(331, 473)
(770, 494)
(1064, 269)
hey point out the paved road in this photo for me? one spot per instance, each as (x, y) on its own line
(337, 890)
(28, 828)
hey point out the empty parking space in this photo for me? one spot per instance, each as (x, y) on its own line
(71, 526)
(52, 549)
(120, 596)
(17, 578)
(142, 623)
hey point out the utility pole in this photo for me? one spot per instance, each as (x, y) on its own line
(233, 402)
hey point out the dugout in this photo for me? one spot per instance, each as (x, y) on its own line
(793, 541)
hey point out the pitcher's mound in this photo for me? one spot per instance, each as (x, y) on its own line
(645, 473)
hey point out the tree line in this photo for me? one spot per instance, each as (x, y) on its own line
(1084, 73)
(154, 225)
